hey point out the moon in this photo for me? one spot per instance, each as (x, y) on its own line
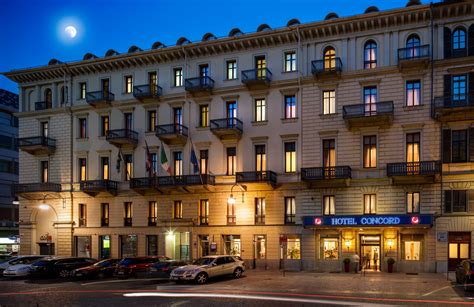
(71, 31)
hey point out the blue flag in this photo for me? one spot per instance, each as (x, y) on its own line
(194, 160)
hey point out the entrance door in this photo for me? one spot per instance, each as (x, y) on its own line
(46, 248)
(370, 252)
(204, 245)
(260, 251)
(104, 247)
(459, 248)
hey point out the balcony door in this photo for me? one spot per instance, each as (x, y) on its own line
(231, 112)
(261, 67)
(260, 158)
(413, 47)
(153, 82)
(177, 119)
(105, 87)
(370, 100)
(128, 121)
(329, 158)
(203, 73)
(413, 153)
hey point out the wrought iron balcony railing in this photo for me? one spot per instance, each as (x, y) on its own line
(199, 84)
(368, 109)
(324, 173)
(260, 74)
(412, 53)
(36, 187)
(121, 134)
(454, 101)
(227, 123)
(43, 105)
(185, 180)
(147, 91)
(98, 185)
(37, 141)
(258, 176)
(326, 66)
(99, 96)
(423, 168)
(171, 129)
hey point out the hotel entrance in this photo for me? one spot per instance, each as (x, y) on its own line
(370, 252)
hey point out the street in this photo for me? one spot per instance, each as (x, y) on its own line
(256, 288)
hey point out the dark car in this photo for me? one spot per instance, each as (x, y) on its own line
(59, 267)
(101, 269)
(163, 269)
(465, 272)
(131, 266)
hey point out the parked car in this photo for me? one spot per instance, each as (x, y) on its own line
(207, 267)
(162, 269)
(20, 266)
(465, 273)
(18, 260)
(101, 269)
(131, 266)
(59, 267)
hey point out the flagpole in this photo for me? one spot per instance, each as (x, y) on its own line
(199, 169)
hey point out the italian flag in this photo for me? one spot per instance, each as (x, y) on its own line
(164, 160)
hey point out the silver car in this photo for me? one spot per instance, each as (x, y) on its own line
(207, 267)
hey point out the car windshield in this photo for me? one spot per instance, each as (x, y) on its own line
(203, 261)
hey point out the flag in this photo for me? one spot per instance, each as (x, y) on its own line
(119, 160)
(194, 160)
(164, 160)
(149, 164)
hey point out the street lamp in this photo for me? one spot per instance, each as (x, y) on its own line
(231, 199)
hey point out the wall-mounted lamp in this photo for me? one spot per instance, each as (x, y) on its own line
(390, 243)
(348, 244)
(231, 199)
(43, 204)
(44, 207)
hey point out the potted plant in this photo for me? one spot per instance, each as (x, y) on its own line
(347, 263)
(390, 262)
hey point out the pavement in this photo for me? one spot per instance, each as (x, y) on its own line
(256, 288)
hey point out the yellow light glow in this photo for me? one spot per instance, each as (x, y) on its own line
(231, 200)
(43, 207)
(348, 243)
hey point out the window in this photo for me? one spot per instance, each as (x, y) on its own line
(82, 215)
(459, 88)
(105, 168)
(260, 210)
(369, 204)
(412, 245)
(127, 214)
(293, 248)
(370, 151)
(104, 214)
(82, 90)
(413, 93)
(231, 213)
(261, 67)
(152, 81)
(128, 84)
(44, 171)
(178, 163)
(413, 47)
(203, 212)
(128, 121)
(63, 95)
(290, 210)
(44, 126)
(82, 169)
(290, 61)
(178, 118)
(329, 157)
(152, 213)
(329, 248)
(203, 70)
(370, 55)
(329, 58)
(413, 151)
(128, 246)
(203, 161)
(104, 125)
(260, 158)
(154, 164)
(329, 205)
(151, 121)
(329, 102)
(178, 77)
(152, 245)
(290, 157)
(48, 97)
(290, 106)
(178, 209)
(82, 128)
(370, 100)
(413, 202)
(128, 167)
(203, 116)
(459, 145)
(231, 161)
(459, 39)
(260, 110)
(231, 71)
(231, 109)
(455, 201)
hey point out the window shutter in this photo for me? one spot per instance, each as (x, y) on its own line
(447, 87)
(447, 145)
(470, 204)
(447, 201)
(471, 144)
(447, 43)
(470, 40)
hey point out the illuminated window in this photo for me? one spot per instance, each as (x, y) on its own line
(261, 67)
(82, 215)
(104, 125)
(412, 247)
(370, 100)
(329, 158)
(44, 129)
(290, 61)
(231, 161)
(231, 219)
(128, 84)
(128, 167)
(459, 39)
(178, 163)
(260, 110)
(293, 248)
(231, 69)
(290, 210)
(82, 169)
(260, 210)
(370, 55)
(152, 81)
(204, 116)
(370, 151)
(330, 248)
(105, 168)
(413, 46)
(290, 157)
(329, 205)
(413, 153)
(413, 93)
(203, 212)
(329, 58)
(459, 88)
(82, 90)
(44, 171)
(231, 109)
(154, 164)
(203, 161)
(82, 128)
(104, 214)
(151, 120)
(369, 204)
(127, 214)
(178, 209)
(329, 102)
(413, 202)
(152, 213)
(290, 106)
(178, 76)
(260, 158)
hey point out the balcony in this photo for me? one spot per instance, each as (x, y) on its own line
(94, 187)
(267, 177)
(37, 145)
(147, 92)
(143, 185)
(36, 190)
(122, 137)
(199, 85)
(43, 105)
(326, 68)
(368, 115)
(175, 134)
(227, 128)
(413, 57)
(414, 172)
(335, 176)
(151, 184)
(453, 108)
(100, 98)
(257, 78)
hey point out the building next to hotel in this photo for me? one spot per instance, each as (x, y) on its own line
(293, 147)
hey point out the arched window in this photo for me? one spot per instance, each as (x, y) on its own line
(48, 95)
(413, 46)
(459, 39)
(329, 58)
(370, 55)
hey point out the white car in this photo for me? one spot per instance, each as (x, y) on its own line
(20, 260)
(17, 270)
(207, 267)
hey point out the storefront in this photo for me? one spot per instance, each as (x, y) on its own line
(177, 245)
(82, 246)
(375, 238)
(128, 246)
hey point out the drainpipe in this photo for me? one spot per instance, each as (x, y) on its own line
(300, 100)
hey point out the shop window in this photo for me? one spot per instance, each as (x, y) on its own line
(128, 246)
(330, 248)
(83, 246)
(260, 246)
(293, 248)
(152, 245)
(232, 245)
(177, 245)
(104, 247)
(412, 247)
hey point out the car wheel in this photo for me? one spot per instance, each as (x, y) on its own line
(201, 278)
(238, 273)
(64, 273)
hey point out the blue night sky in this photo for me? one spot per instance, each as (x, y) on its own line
(32, 31)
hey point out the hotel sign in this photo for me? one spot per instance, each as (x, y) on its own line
(369, 220)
